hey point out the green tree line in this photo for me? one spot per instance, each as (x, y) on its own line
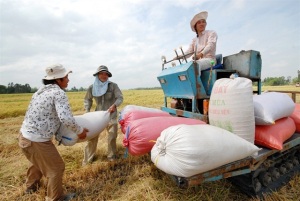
(19, 88)
(12, 88)
(278, 81)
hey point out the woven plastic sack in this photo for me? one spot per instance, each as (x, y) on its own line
(129, 108)
(296, 117)
(273, 136)
(188, 150)
(141, 134)
(135, 114)
(231, 107)
(95, 122)
(271, 106)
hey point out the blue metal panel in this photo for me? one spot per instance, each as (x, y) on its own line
(246, 63)
(212, 77)
(183, 113)
(205, 76)
(231, 174)
(175, 87)
(255, 65)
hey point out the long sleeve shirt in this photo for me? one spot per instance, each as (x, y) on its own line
(206, 44)
(112, 96)
(48, 108)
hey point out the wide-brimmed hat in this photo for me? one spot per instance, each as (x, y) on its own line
(200, 16)
(56, 71)
(101, 69)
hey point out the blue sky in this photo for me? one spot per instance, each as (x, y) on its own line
(130, 36)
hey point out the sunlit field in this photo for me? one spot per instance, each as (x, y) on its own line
(131, 178)
(14, 105)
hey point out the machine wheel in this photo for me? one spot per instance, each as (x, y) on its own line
(265, 178)
(289, 165)
(257, 185)
(275, 174)
(295, 161)
(283, 169)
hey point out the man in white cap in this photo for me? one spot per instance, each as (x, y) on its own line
(48, 109)
(107, 96)
(204, 43)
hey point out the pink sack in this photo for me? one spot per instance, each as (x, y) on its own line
(141, 134)
(296, 117)
(273, 136)
(129, 108)
(135, 114)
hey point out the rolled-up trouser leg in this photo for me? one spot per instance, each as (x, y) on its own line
(34, 176)
(90, 150)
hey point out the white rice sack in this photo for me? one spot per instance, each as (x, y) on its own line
(187, 150)
(271, 106)
(231, 107)
(95, 122)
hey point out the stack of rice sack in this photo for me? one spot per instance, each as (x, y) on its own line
(95, 122)
(132, 112)
(184, 150)
(142, 128)
(142, 134)
(236, 119)
(275, 119)
(260, 119)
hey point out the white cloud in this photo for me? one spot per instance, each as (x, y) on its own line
(129, 36)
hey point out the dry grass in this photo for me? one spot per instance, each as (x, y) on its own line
(132, 178)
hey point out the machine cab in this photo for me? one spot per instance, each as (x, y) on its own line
(187, 88)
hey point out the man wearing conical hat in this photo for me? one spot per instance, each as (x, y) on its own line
(204, 43)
